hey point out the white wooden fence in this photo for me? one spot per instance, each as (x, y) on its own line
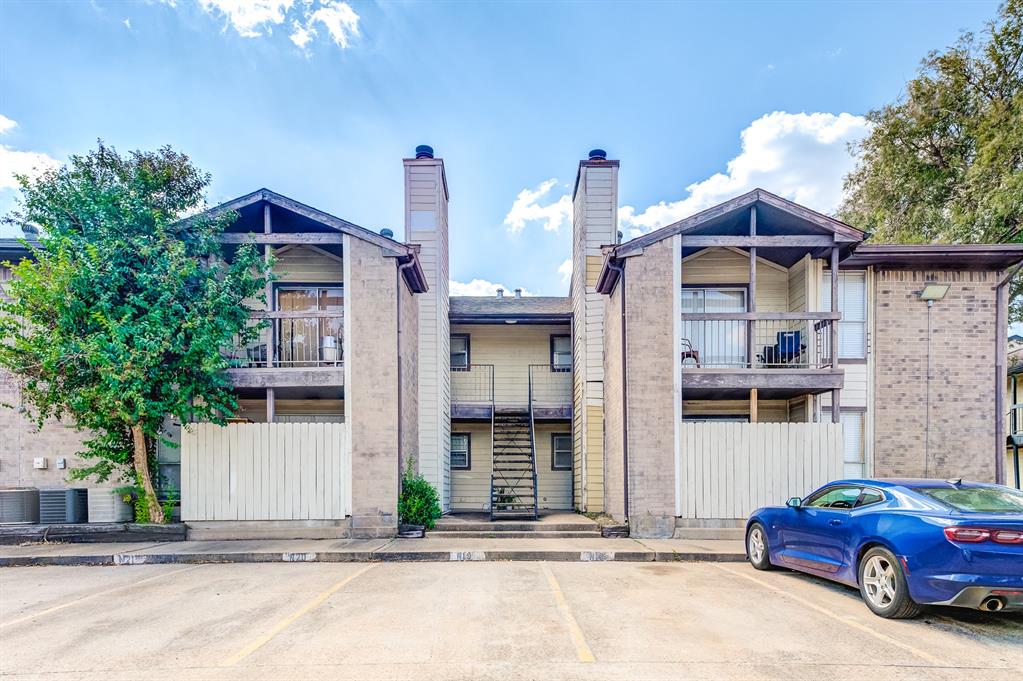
(728, 470)
(265, 471)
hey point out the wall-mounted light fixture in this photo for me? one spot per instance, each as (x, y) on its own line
(932, 292)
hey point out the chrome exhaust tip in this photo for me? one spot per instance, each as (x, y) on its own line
(992, 604)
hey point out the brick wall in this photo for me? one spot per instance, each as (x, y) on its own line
(409, 373)
(373, 392)
(21, 442)
(649, 321)
(614, 483)
(962, 397)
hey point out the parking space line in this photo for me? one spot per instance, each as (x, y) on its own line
(582, 649)
(91, 596)
(290, 619)
(838, 618)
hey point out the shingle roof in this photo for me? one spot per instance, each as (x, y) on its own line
(464, 307)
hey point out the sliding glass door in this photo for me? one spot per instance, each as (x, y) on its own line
(312, 340)
(719, 343)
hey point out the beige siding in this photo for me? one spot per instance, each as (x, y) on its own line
(768, 411)
(717, 266)
(614, 436)
(307, 264)
(310, 411)
(797, 285)
(470, 489)
(511, 349)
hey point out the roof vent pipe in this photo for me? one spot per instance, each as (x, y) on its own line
(518, 293)
(598, 155)
(424, 151)
(386, 232)
(500, 293)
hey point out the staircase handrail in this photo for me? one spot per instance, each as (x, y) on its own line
(532, 443)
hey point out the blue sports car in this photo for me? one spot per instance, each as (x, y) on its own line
(904, 543)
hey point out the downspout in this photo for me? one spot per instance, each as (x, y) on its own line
(397, 291)
(1001, 333)
(620, 269)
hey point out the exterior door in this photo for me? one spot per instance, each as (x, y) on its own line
(313, 340)
(721, 343)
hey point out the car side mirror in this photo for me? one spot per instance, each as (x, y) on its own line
(794, 502)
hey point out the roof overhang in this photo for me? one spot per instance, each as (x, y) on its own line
(470, 318)
(939, 256)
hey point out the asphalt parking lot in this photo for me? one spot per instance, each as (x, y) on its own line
(476, 620)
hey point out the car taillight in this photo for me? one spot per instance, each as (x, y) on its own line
(974, 535)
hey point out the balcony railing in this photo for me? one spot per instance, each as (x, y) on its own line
(473, 384)
(292, 339)
(749, 340)
(550, 386)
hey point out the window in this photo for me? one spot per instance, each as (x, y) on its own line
(835, 497)
(869, 496)
(976, 499)
(461, 451)
(852, 303)
(460, 351)
(853, 439)
(561, 451)
(307, 341)
(561, 353)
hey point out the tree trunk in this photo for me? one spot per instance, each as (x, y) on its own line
(141, 459)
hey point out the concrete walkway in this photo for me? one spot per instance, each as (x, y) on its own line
(434, 548)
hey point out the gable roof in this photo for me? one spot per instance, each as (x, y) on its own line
(405, 253)
(803, 219)
(528, 309)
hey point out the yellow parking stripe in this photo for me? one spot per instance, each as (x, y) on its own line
(290, 619)
(97, 594)
(582, 649)
(838, 618)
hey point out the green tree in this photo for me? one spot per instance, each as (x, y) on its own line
(120, 316)
(945, 163)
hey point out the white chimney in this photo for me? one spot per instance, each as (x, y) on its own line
(500, 293)
(518, 293)
(426, 224)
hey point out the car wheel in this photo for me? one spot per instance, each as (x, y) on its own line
(883, 585)
(756, 547)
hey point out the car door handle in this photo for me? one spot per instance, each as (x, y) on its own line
(835, 522)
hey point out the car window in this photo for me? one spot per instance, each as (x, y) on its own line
(868, 497)
(835, 497)
(977, 499)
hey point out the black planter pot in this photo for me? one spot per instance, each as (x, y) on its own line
(406, 531)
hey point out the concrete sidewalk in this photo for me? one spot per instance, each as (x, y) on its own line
(434, 548)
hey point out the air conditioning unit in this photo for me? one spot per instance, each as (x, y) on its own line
(105, 506)
(57, 506)
(19, 505)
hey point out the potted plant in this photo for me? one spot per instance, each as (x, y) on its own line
(418, 505)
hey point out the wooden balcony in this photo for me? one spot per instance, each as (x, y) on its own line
(779, 354)
(292, 349)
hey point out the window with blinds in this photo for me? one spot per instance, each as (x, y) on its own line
(852, 303)
(854, 456)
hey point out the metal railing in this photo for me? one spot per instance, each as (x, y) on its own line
(792, 340)
(473, 384)
(289, 339)
(550, 386)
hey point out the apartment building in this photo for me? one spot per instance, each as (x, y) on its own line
(740, 356)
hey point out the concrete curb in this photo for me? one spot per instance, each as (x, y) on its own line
(372, 556)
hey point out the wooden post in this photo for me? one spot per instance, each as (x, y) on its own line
(754, 410)
(751, 304)
(267, 254)
(271, 405)
(836, 406)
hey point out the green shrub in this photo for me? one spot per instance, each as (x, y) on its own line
(419, 503)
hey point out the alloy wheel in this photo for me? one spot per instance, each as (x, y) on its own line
(879, 581)
(756, 545)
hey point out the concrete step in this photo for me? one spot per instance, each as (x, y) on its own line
(737, 533)
(503, 526)
(593, 534)
(266, 529)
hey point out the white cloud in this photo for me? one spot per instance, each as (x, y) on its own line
(127, 23)
(565, 270)
(340, 20)
(479, 287)
(250, 17)
(802, 157)
(301, 36)
(14, 162)
(526, 208)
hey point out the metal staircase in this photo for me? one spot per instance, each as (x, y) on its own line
(513, 481)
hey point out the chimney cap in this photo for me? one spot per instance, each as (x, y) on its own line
(597, 155)
(500, 293)
(518, 293)
(424, 151)
(387, 232)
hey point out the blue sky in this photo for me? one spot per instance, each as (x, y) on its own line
(321, 99)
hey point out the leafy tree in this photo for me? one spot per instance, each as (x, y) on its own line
(120, 316)
(945, 162)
